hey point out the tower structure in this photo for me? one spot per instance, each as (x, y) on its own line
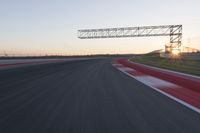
(173, 31)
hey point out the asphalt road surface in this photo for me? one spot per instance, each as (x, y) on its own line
(88, 96)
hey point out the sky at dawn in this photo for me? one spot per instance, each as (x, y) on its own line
(40, 27)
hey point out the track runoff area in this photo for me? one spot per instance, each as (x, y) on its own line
(180, 87)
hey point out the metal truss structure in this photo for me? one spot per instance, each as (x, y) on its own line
(173, 31)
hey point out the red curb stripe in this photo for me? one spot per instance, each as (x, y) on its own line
(185, 96)
(181, 80)
(136, 73)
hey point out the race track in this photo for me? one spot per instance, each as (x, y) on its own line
(86, 96)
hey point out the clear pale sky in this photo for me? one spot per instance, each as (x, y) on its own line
(50, 26)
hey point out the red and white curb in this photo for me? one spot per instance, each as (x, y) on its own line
(178, 93)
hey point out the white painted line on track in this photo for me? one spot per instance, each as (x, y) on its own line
(162, 92)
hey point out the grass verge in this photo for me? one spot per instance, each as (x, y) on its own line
(177, 64)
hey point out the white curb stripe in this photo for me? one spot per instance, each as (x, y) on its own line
(156, 82)
(125, 69)
(162, 92)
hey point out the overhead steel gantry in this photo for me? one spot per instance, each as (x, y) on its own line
(173, 31)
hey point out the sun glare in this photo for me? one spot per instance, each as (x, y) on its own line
(175, 52)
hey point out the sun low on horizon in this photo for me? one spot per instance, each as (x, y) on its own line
(41, 27)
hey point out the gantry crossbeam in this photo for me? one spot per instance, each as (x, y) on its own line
(174, 31)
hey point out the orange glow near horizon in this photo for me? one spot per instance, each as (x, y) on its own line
(175, 52)
(33, 28)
